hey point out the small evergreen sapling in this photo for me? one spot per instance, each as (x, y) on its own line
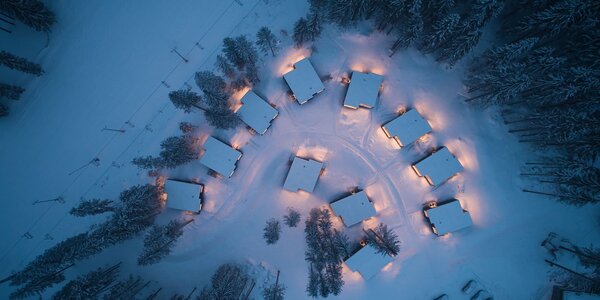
(276, 291)
(11, 92)
(186, 127)
(292, 218)
(20, 64)
(271, 231)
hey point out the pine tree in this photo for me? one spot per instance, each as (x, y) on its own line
(230, 282)
(92, 207)
(3, 110)
(389, 14)
(439, 33)
(271, 231)
(147, 162)
(160, 240)
(176, 151)
(185, 99)
(301, 32)
(38, 285)
(266, 41)
(14, 62)
(325, 259)
(126, 289)
(32, 13)
(223, 65)
(251, 74)
(411, 31)
(90, 285)
(239, 51)
(212, 86)
(292, 218)
(314, 26)
(12, 92)
(384, 240)
(222, 118)
(275, 291)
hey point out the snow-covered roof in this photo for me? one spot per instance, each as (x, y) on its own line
(220, 157)
(438, 167)
(303, 81)
(407, 127)
(448, 217)
(367, 261)
(257, 113)
(363, 90)
(354, 208)
(303, 175)
(184, 195)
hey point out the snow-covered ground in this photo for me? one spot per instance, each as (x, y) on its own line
(104, 67)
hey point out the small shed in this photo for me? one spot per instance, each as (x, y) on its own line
(303, 81)
(407, 128)
(184, 195)
(447, 217)
(256, 112)
(354, 208)
(363, 90)
(220, 157)
(367, 261)
(438, 167)
(303, 175)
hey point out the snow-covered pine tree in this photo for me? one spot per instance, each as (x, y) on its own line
(388, 14)
(275, 291)
(218, 113)
(223, 65)
(239, 51)
(341, 242)
(14, 62)
(147, 162)
(90, 285)
(176, 151)
(186, 127)
(549, 23)
(185, 99)
(267, 41)
(160, 240)
(439, 33)
(32, 13)
(11, 92)
(468, 31)
(271, 231)
(3, 110)
(251, 74)
(213, 87)
(301, 32)
(140, 205)
(222, 118)
(47, 268)
(126, 289)
(325, 259)
(412, 29)
(230, 282)
(314, 25)
(92, 207)
(384, 240)
(292, 218)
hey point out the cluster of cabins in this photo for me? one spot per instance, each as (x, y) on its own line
(363, 91)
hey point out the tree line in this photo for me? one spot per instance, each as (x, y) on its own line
(34, 14)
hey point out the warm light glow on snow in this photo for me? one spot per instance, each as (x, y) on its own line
(312, 152)
(293, 56)
(367, 64)
(240, 138)
(465, 154)
(236, 98)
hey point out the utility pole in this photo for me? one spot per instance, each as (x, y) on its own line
(113, 129)
(59, 199)
(95, 161)
(179, 54)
